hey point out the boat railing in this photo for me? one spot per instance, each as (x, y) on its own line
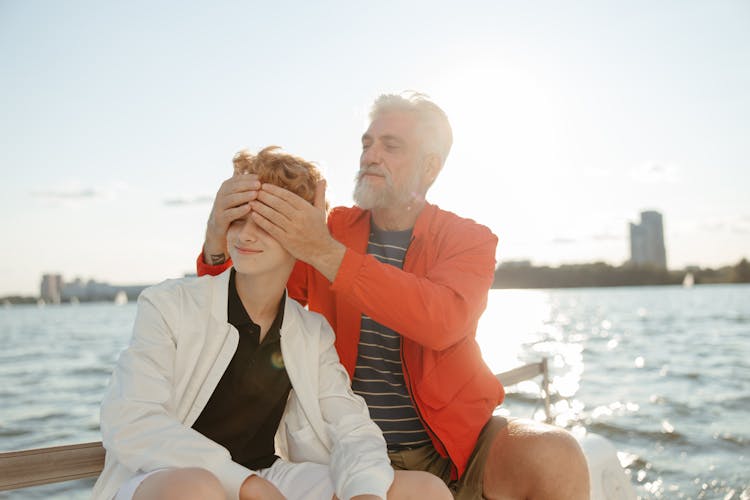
(56, 464)
(527, 372)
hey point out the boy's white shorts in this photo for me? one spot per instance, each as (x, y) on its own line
(301, 481)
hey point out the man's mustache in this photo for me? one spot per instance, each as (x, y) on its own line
(373, 171)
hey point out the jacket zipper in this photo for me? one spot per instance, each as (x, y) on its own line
(407, 378)
(433, 435)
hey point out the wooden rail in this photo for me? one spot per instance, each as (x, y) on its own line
(24, 468)
(21, 469)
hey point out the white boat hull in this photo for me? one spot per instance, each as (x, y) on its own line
(609, 481)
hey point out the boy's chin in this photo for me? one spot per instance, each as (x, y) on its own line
(242, 268)
(263, 266)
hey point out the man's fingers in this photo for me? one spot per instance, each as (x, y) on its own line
(235, 213)
(268, 226)
(240, 183)
(273, 195)
(278, 203)
(270, 213)
(228, 201)
(320, 195)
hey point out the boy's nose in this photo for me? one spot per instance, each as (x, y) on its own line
(249, 230)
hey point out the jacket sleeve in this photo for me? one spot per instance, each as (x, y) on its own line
(436, 309)
(203, 269)
(137, 417)
(359, 458)
(297, 285)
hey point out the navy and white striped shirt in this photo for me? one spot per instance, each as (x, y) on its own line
(378, 376)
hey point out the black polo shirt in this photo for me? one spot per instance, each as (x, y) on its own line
(245, 409)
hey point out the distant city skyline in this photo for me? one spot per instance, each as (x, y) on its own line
(119, 121)
(647, 240)
(646, 246)
(54, 289)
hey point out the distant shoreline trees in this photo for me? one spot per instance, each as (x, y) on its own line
(600, 274)
(597, 274)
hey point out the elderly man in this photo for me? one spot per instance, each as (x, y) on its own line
(403, 284)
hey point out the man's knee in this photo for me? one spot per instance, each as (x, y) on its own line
(555, 446)
(524, 462)
(546, 443)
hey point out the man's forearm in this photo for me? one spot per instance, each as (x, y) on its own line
(214, 251)
(327, 260)
(456, 285)
(214, 259)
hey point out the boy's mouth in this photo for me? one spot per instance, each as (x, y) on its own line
(247, 251)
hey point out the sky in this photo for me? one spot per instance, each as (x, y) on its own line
(118, 121)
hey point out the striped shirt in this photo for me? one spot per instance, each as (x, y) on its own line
(378, 376)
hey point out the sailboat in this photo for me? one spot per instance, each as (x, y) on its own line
(121, 298)
(689, 280)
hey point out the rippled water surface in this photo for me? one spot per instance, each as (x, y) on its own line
(663, 372)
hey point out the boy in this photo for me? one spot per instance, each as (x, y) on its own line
(221, 372)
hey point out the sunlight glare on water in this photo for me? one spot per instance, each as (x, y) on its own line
(524, 326)
(661, 372)
(505, 324)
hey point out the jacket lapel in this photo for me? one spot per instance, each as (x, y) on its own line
(217, 326)
(299, 347)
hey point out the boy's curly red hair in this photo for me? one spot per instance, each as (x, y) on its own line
(274, 166)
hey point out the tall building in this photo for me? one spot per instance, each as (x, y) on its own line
(647, 241)
(51, 288)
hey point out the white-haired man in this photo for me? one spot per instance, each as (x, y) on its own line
(403, 284)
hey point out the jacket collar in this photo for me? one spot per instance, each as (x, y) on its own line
(221, 297)
(421, 226)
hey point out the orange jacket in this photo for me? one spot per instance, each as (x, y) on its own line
(434, 303)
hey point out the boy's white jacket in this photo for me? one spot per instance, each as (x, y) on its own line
(181, 346)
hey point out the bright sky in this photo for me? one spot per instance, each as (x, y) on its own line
(118, 121)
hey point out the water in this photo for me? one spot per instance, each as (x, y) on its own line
(663, 372)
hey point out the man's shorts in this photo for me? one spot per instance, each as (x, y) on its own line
(426, 458)
(294, 480)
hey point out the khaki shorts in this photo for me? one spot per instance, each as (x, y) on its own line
(426, 458)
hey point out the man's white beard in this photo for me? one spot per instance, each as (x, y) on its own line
(369, 197)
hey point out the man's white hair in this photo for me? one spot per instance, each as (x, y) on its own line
(434, 128)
